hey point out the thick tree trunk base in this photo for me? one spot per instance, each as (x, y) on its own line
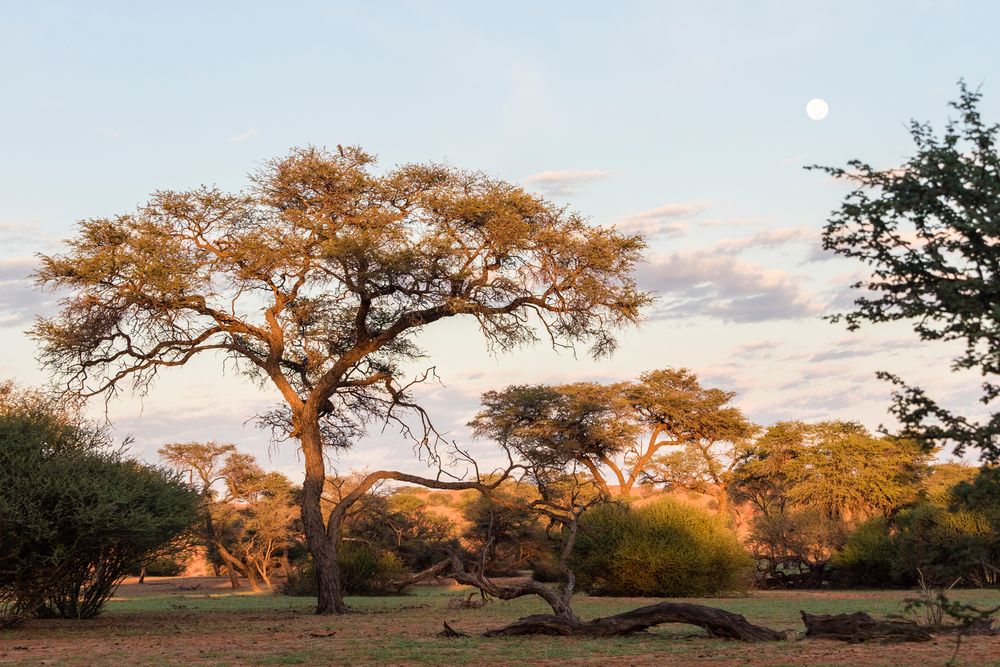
(860, 627)
(717, 622)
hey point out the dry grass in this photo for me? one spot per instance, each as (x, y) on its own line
(158, 624)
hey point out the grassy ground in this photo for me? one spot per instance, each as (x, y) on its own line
(158, 624)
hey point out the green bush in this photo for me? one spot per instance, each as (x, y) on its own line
(665, 549)
(164, 566)
(944, 545)
(868, 559)
(364, 570)
(75, 516)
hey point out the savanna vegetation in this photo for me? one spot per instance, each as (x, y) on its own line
(319, 280)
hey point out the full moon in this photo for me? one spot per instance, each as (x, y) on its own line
(817, 109)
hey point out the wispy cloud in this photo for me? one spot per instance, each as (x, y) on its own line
(667, 220)
(20, 232)
(244, 136)
(849, 348)
(727, 222)
(565, 181)
(19, 300)
(16, 268)
(768, 239)
(761, 349)
(724, 286)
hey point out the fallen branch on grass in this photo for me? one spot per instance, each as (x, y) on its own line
(433, 571)
(860, 627)
(452, 633)
(717, 622)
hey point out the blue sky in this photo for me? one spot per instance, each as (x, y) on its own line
(683, 119)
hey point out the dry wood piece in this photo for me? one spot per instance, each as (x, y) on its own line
(433, 571)
(451, 632)
(717, 622)
(860, 627)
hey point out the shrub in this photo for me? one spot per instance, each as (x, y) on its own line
(75, 516)
(945, 545)
(367, 570)
(364, 570)
(665, 549)
(869, 558)
(164, 566)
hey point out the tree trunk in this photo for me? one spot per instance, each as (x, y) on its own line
(330, 596)
(232, 567)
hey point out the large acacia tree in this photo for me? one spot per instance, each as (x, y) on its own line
(318, 280)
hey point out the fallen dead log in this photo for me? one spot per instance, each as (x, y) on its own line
(436, 570)
(717, 622)
(860, 627)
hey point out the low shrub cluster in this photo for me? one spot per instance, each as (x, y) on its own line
(364, 570)
(941, 544)
(664, 549)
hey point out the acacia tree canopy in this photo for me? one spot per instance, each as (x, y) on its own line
(617, 429)
(317, 280)
(930, 231)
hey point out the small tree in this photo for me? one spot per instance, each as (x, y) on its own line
(202, 464)
(930, 231)
(701, 433)
(248, 524)
(318, 281)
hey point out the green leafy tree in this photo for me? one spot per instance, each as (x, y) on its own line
(318, 281)
(811, 484)
(929, 229)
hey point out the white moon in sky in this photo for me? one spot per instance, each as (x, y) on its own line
(817, 109)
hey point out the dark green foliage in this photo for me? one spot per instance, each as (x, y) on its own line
(368, 570)
(399, 524)
(665, 549)
(164, 566)
(943, 544)
(869, 558)
(75, 516)
(929, 230)
(365, 570)
(508, 535)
